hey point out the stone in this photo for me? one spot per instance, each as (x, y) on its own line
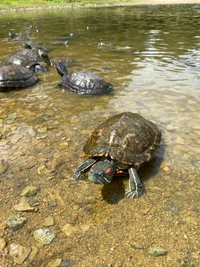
(24, 206)
(155, 251)
(49, 221)
(44, 236)
(29, 191)
(2, 243)
(15, 222)
(55, 263)
(19, 253)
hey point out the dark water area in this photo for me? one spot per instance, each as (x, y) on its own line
(151, 55)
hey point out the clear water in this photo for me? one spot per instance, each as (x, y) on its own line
(154, 66)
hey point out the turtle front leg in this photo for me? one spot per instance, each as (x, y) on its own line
(84, 166)
(136, 187)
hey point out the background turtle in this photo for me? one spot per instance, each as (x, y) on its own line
(29, 58)
(83, 82)
(124, 141)
(13, 76)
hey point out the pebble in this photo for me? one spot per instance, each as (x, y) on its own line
(55, 263)
(44, 236)
(24, 206)
(70, 229)
(49, 221)
(15, 222)
(33, 254)
(19, 253)
(29, 191)
(137, 245)
(2, 243)
(155, 251)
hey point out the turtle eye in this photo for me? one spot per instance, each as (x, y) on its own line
(109, 170)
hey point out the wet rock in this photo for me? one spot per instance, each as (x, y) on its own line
(137, 245)
(19, 253)
(33, 254)
(67, 263)
(2, 243)
(70, 229)
(15, 222)
(49, 221)
(44, 236)
(29, 191)
(24, 206)
(172, 207)
(55, 263)
(155, 251)
(3, 166)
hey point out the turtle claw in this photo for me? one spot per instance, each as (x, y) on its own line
(132, 194)
(78, 175)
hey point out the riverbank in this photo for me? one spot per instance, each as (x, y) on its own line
(19, 8)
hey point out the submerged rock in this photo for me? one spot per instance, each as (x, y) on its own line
(29, 191)
(19, 253)
(15, 222)
(44, 236)
(155, 251)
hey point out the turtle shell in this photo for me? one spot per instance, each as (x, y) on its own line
(18, 59)
(127, 138)
(16, 76)
(84, 82)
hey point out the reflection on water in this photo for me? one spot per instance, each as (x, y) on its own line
(153, 63)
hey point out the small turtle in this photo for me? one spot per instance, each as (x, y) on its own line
(29, 58)
(123, 142)
(83, 82)
(14, 76)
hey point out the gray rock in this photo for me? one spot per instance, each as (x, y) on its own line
(15, 222)
(44, 236)
(155, 251)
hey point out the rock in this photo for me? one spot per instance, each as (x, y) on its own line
(24, 206)
(67, 263)
(70, 229)
(33, 254)
(55, 263)
(137, 245)
(49, 221)
(19, 253)
(29, 191)
(155, 251)
(15, 222)
(3, 166)
(2, 243)
(44, 236)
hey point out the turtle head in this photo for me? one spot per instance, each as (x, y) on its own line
(44, 56)
(61, 69)
(102, 172)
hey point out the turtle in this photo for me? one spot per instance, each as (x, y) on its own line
(83, 82)
(124, 142)
(29, 58)
(13, 76)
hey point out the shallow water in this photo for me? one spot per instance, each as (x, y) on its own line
(154, 66)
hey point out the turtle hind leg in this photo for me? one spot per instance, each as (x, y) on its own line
(136, 187)
(84, 166)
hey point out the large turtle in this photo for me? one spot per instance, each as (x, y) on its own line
(83, 82)
(123, 142)
(29, 58)
(14, 76)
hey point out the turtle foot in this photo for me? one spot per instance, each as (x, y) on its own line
(133, 193)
